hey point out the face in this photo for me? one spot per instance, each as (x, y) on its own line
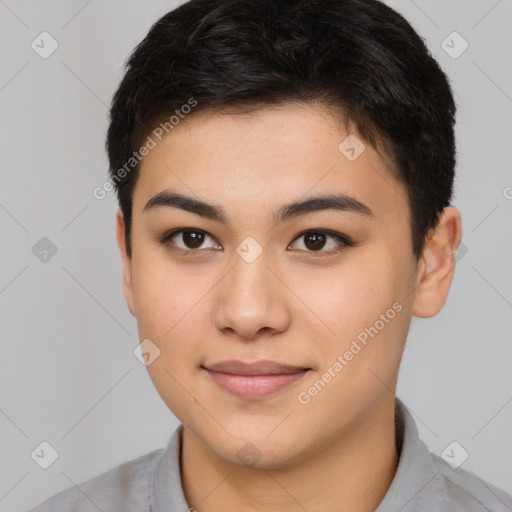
(325, 290)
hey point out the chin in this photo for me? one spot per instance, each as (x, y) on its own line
(259, 455)
(253, 447)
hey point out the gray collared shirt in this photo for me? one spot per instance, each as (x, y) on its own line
(423, 482)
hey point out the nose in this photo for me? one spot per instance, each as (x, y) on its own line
(251, 301)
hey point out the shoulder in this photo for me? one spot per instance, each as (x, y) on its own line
(425, 481)
(469, 491)
(124, 487)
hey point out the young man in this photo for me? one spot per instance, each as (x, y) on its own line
(284, 173)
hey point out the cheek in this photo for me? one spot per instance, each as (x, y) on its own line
(367, 309)
(350, 297)
(169, 311)
(164, 295)
(373, 321)
(172, 311)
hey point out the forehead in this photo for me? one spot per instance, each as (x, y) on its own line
(268, 157)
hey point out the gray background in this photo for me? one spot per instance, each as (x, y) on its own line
(68, 373)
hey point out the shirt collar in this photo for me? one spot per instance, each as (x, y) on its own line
(415, 486)
(166, 492)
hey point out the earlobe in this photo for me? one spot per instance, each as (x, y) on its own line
(437, 264)
(126, 262)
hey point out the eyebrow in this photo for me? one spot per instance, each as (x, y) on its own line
(339, 202)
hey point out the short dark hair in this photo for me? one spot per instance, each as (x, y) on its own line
(359, 58)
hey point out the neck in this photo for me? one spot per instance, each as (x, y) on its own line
(352, 474)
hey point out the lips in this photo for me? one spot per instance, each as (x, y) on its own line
(253, 381)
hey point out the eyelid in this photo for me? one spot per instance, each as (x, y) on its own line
(328, 232)
(170, 234)
(344, 240)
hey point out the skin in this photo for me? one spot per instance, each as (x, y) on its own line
(338, 451)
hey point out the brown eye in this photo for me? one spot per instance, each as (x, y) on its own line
(188, 240)
(193, 239)
(323, 242)
(314, 241)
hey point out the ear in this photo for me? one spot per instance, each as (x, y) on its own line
(436, 266)
(126, 261)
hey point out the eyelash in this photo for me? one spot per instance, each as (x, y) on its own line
(344, 240)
